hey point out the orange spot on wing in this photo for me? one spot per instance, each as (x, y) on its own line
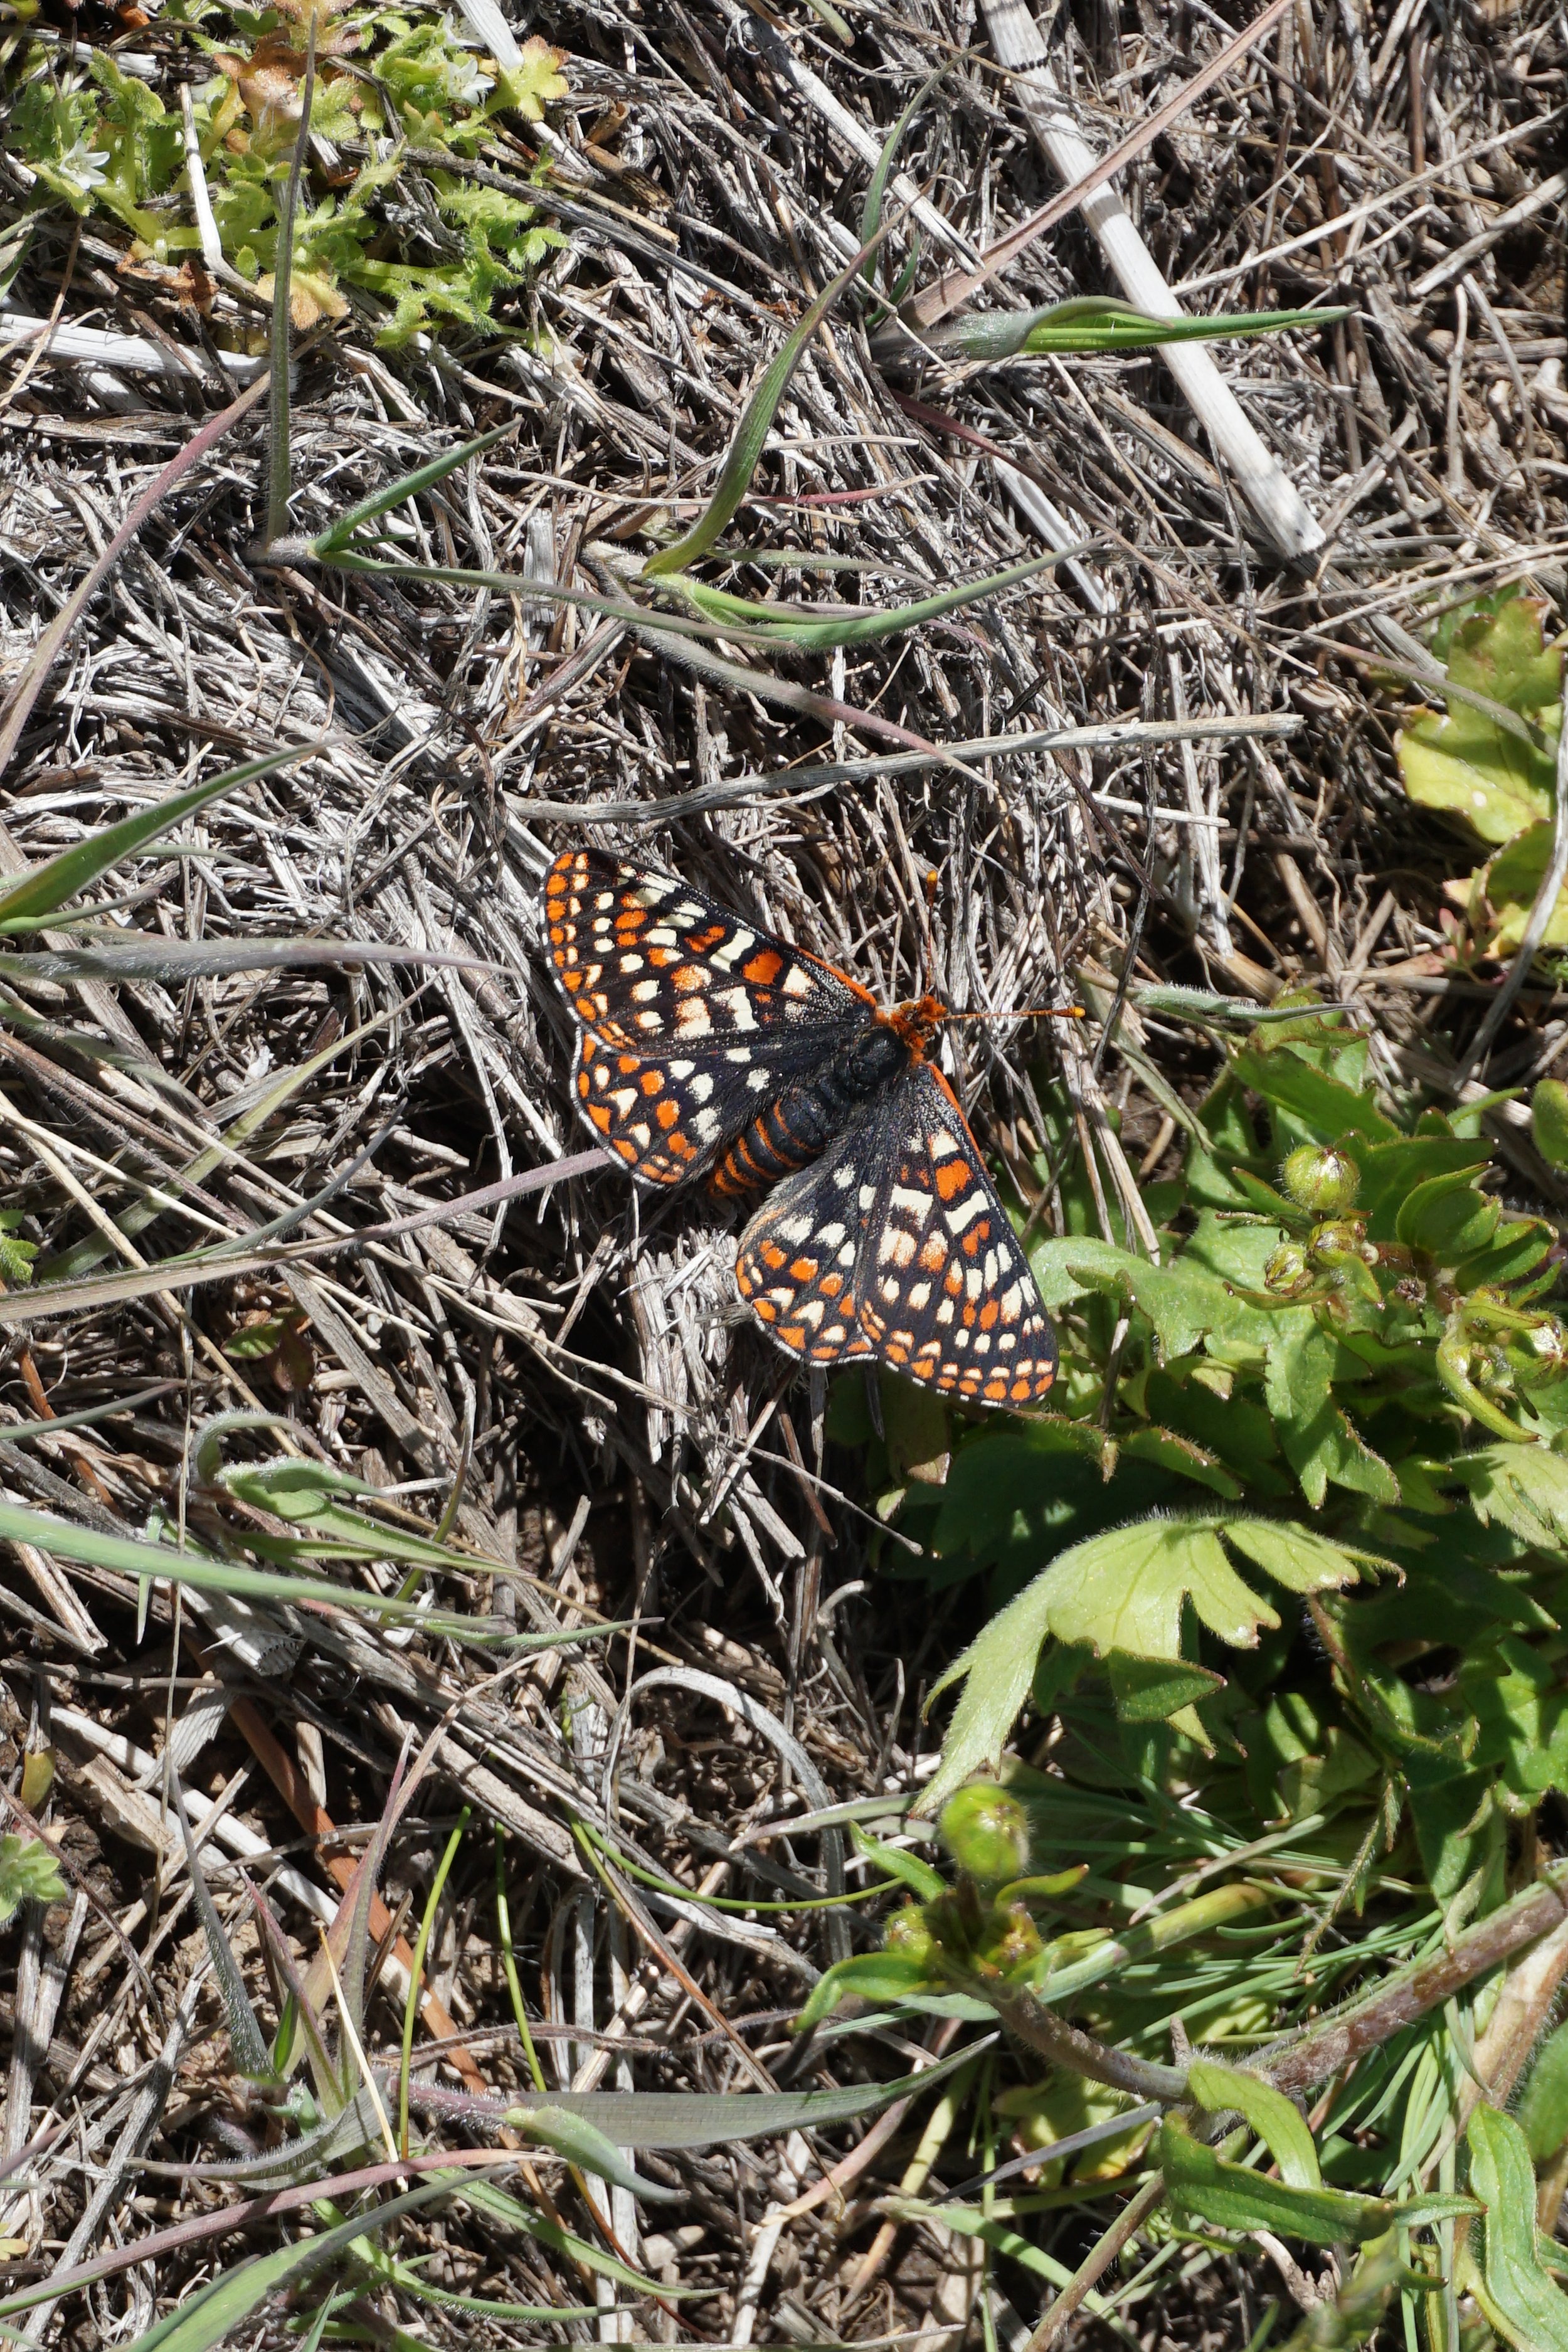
(650, 1081)
(951, 1178)
(600, 1115)
(764, 968)
(668, 1112)
(804, 1270)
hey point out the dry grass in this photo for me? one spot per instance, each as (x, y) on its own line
(574, 1373)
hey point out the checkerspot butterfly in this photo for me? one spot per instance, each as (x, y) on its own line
(707, 1047)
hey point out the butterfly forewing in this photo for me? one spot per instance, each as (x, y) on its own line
(945, 1294)
(692, 1018)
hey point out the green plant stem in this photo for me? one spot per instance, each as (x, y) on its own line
(411, 2006)
(1326, 2048)
(1095, 2264)
(509, 1962)
(280, 471)
(1023, 2013)
(1322, 2050)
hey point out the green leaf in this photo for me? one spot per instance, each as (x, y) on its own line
(1294, 1557)
(1447, 1217)
(29, 1874)
(97, 1548)
(1319, 1102)
(1542, 2111)
(1523, 1487)
(584, 2144)
(867, 1976)
(794, 624)
(709, 2118)
(1203, 2187)
(1515, 2292)
(1152, 1690)
(924, 1883)
(409, 486)
(1122, 1592)
(46, 888)
(1320, 1442)
(1548, 1122)
(1094, 322)
(1497, 781)
(877, 187)
(1280, 2126)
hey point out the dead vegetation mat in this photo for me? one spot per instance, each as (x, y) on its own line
(567, 1386)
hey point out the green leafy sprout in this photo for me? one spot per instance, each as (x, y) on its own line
(389, 85)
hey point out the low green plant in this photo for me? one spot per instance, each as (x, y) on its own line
(1490, 763)
(385, 81)
(1304, 1510)
(29, 1874)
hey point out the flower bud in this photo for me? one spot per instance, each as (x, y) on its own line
(1338, 1238)
(1318, 1177)
(908, 1935)
(1019, 1945)
(1539, 1355)
(1288, 1271)
(987, 1833)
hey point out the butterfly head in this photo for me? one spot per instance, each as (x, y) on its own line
(917, 1023)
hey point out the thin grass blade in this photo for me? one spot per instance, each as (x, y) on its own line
(409, 486)
(1092, 322)
(59, 879)
(741, 464)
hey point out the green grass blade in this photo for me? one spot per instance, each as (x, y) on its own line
(247, 2041)
(338, 534)
(792, 626)
(1093, 322)
(95, 1548)
(205, 2319)
(871, 211)
(141, 957)
(411, 2007)
(59, 879)
(741, 464)
(279, 467)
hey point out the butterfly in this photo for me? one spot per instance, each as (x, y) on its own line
(706, 1047)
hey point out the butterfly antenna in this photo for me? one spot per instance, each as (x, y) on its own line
(1026, 1012)
(928, 937)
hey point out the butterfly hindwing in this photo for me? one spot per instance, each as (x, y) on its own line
(691, 1019)
(944, 1291)
(797, 1264)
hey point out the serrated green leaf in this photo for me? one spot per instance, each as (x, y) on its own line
(1518, 2295)
(1523, 1487)
(1296, 1556)
(1320, 1442)
(1122, 1592)
(29, 1874)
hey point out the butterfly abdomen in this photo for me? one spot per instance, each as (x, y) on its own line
(802, 1121)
